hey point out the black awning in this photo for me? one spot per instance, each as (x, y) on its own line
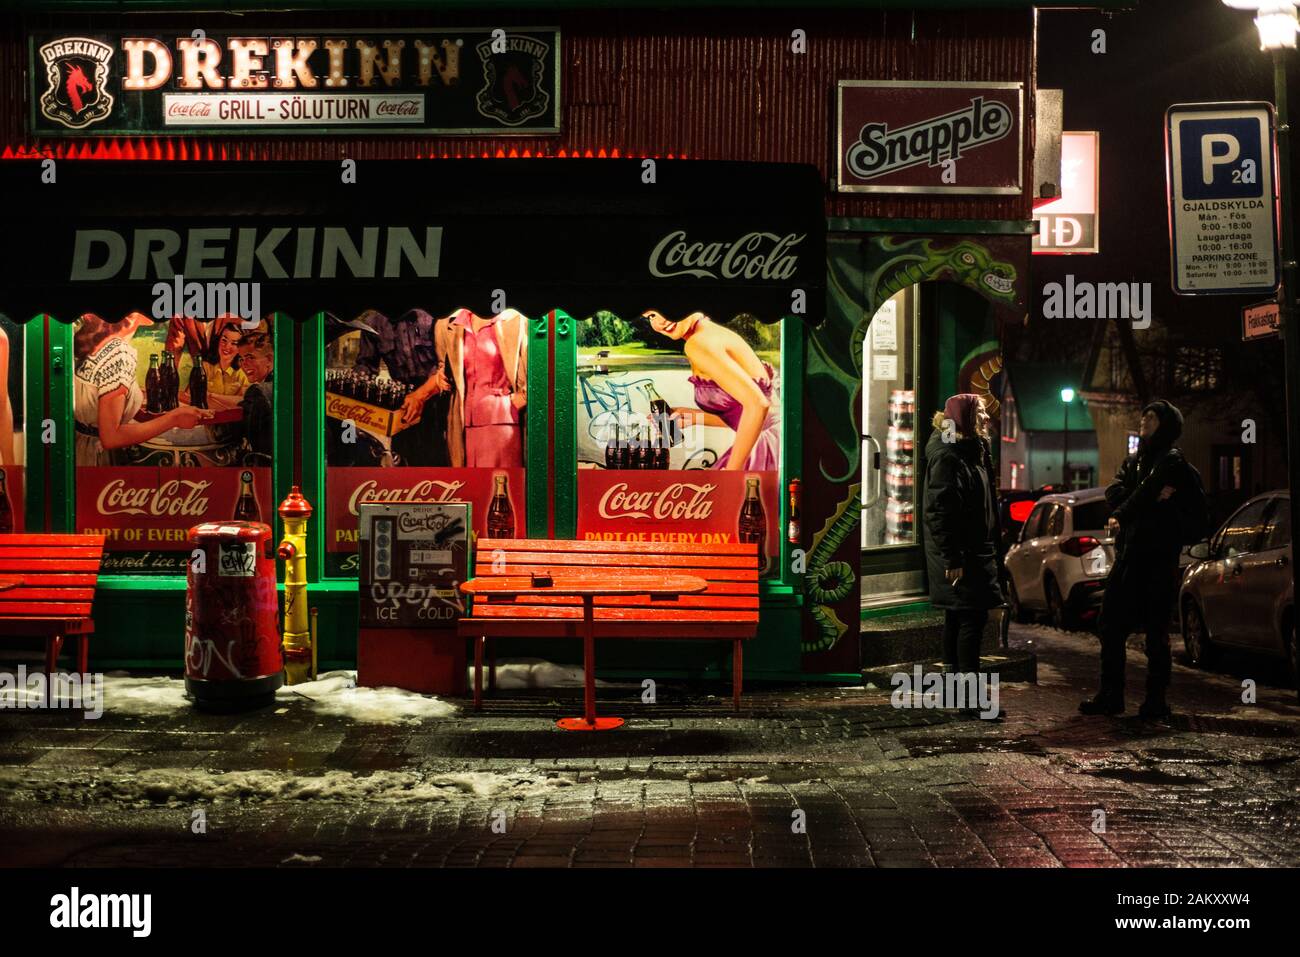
(529, 234)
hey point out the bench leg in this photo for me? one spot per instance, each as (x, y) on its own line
(478, 672)
(589, 660)
(83, 654)
(53, 645)
(492, 668)
(737, 672)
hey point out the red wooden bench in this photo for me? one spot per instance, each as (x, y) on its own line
(726, 611)
(47, 585)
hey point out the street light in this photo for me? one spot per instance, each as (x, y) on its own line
(1278, 24)
(1067, 396)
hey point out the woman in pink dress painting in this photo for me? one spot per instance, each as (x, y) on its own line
(734, 389)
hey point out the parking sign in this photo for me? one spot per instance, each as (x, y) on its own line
(1222, 198)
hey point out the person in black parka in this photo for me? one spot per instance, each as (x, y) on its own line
(1159, 503)
(961, 528)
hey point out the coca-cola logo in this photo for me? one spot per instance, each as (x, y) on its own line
(176, 497)
(338, 407)
(681, 501)
(397, 108)
(430, 490)
(194, 107)
(755, 255)
(407, 522)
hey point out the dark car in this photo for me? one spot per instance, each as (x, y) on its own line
(1238, 592)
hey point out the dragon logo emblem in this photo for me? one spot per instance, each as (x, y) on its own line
(513, 72)
(77, 71)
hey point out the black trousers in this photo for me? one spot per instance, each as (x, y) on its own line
(1140, 593)
(963, 630)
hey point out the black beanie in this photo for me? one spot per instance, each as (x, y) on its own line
(1171, 422)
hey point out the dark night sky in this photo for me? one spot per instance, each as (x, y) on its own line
(1167, 51)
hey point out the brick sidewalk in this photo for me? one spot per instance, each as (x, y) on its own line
(687, 782)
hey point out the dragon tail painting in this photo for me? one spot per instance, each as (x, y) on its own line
(828, 582)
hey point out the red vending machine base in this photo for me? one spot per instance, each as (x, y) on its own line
(429, 661)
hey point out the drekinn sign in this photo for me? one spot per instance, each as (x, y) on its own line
(471, 81)
(920, 137)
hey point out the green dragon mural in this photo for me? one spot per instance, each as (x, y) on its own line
(863, 272)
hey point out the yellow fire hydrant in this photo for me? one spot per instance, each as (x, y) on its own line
(299, 628)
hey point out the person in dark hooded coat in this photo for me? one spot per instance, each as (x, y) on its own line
(1156, 497)
(961, 528)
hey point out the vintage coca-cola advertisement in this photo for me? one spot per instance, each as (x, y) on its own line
(682, 506)
(145, 513)
(496, 497)
(660, 392)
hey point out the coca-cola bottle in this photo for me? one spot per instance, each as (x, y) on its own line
(501, 516)
(662, 415)
(661, 452)
(625, 454)
(153, 386)
(171, 396)
(6, 509)
(198, 384)
(645, 453)
(611, 449)
(794, 524)
(753, 522)
(246, 509)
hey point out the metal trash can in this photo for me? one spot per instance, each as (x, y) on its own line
(232, 639)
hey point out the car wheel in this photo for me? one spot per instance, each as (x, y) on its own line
(1019, 614)
(1056, 610)
(1196, 638)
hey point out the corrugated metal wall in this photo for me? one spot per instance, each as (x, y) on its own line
(705, 86)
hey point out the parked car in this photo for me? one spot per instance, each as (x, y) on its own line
(1061, 559)
(1239, 591)
(1014, 506)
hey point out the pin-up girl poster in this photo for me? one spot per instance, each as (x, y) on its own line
(734, 389)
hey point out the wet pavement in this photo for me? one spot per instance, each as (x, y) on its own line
(801, 777)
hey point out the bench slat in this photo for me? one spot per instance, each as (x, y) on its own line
(561, 546)
(61, 580)
(572, 628)
(522, 611)
(42, 609)
(708, 574)
(24, 538)
(47, 551)
(45, 593)
(635, 601)
(591, 559)
(36, 627)
(49, 564)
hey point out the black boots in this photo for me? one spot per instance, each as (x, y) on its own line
(1102, 704)
(1154, 709)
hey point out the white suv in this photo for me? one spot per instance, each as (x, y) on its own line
(1062, 558)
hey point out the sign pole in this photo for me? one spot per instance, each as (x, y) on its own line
(1286, 294)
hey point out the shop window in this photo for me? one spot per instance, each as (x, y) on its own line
(1010, 421)
(664, 445)
(889, 424)
(174, 426)
(12, 448)
(1231, 469)
(1078, 477)
(424, 406)
(1017, 474)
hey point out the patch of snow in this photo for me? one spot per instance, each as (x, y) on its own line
(296, 858)
(335, 694)
(142, 697)
(189, 786)
(515, 673)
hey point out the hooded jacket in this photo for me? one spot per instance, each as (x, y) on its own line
(1148, 527)
(960, 521)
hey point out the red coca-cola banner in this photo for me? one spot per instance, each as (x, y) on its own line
(141, 508)
(345, 487)
(698, 505)
(11, 499)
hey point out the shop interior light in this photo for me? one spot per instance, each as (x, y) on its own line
(1276, 21)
